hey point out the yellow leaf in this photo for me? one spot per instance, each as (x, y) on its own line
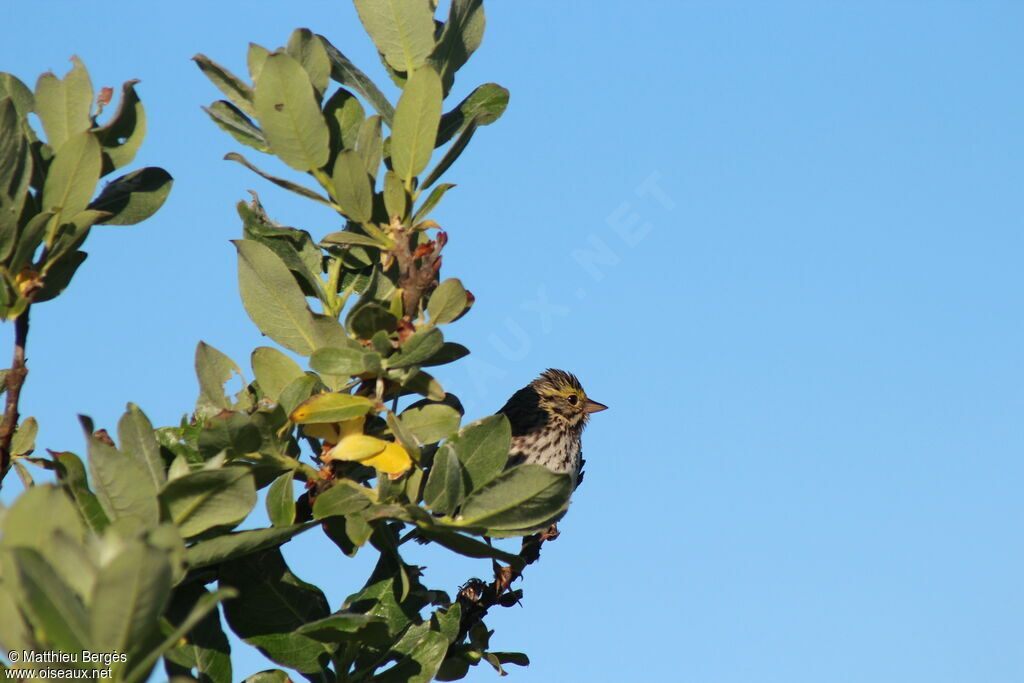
(353, 426)
(327, 431)
(393, 459)
(356, 447)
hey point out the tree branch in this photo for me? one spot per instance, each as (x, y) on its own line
(477, 597)
(15, 380)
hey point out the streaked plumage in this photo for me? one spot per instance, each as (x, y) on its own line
(547, 417)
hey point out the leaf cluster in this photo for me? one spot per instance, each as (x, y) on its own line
(48, 199)
(345, 411)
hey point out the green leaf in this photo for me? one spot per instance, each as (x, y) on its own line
(135, 432)
(229, 84)
(130, 594)
(445, 489)
(344, 114)
(448, 302)
(358, 531)
(204, 606)
(122, 136)
(432, 199)
(59, 274)
(462, 35)
(68, 556)
(281, 500)
(482, 447)
(17, 634)
(274, 371)
(23, 474)
(273, 299)
(300, 190)
(423, 384)
(134, 197)
(289, 115)
(523, 497)
(416, 121)
(71, 474)
(11, 86)
(350, 238)
(348, 533)
(378, 597)
(496, 659)
(30, 239)
(297, 391)
(274, 604)
(53, 607)
(329, 331)
(408, 442)
(346, 73)
(72, 175)
(209, 498)
(68, 237)
(239, 543)
(395, 197)
(15, 171)
(308, 51)
(451, 155)
(230, 433)
(485, 105)
(205, 649)
(430, 422)
(344, 498)
(235, 123)
(414, 643)
(468, 546)
(402, 30)
(448, 353)
(214, 369)
(511, 658)
(330, 407)
(370, 144)
(338, 627)
(366, 320)
(37, 517)
(294, 247)
(63, 106)
(447, 620)
(421, 664)
(343, 362)
(423, 344)
(255, 58)
(352, 188)
(24, 440)
(122, 484)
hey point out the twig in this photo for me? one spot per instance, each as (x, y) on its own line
(15, 380)
(477, 597)
(414, 279)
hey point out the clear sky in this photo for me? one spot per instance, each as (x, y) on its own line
(802, 301)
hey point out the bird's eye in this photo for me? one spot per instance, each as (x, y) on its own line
(574, 399)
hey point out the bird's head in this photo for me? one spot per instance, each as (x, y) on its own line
(561, 394)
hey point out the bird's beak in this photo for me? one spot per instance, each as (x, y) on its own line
(593, 407)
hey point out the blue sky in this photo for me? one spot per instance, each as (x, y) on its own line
(781, 240)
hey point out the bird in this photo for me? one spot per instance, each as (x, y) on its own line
(547, 417)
